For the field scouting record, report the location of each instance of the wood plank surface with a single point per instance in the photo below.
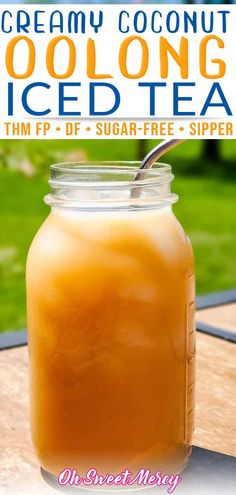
(215, 407)
(215, 424)
(19, 468)
(221, 316)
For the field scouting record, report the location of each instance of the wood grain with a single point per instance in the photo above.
(215, 395)
(215, 406)
(221, 316)
(19, 468)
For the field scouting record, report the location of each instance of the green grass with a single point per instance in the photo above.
(206, 209)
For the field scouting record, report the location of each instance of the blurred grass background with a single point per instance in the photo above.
(205, 181)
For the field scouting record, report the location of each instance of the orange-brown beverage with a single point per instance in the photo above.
(110, 294)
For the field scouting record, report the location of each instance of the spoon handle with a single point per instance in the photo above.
(158, 151)
(152, 157)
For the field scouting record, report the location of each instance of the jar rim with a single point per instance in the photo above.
(113, 166)
(72, 173)
(89, 183)
(107, 164)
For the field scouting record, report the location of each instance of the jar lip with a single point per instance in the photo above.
(116, 174)
(109, 185)
(109, 166)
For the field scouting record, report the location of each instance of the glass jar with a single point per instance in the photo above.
(110, 296)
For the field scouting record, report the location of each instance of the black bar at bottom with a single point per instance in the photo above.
(216, 299)
(216, 332)
(18, 338)
(8, 340)
(207, 473)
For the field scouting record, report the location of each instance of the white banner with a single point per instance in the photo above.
(117, 71)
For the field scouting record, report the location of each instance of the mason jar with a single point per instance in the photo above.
(110, 297)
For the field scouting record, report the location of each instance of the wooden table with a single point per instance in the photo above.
(215, 404)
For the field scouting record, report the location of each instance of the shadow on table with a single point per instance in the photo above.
(207, 473)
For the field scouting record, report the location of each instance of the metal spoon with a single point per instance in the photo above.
(152, 157)
(157, 152)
